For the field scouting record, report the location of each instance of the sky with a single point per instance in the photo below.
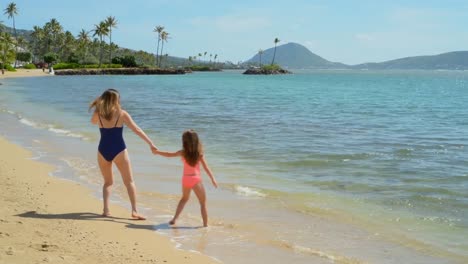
(348, 31)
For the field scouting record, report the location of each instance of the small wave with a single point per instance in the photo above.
(324, 160)
(8, 111)
(51, 128)
(29, 123)
(59, 131)
(65, 132)
(249, 192)
(335, 258)
(79, 164)
(406, 152)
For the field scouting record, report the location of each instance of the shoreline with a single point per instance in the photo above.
(47, 219)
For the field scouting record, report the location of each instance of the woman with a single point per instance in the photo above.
(110, 118)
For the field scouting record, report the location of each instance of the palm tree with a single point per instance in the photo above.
(215, 57)
(101, 30)
(111, 23)
(7, 51)
(67, 49)
(211, 56)
(274, 54)
(199, 57)
(260, 52)
(37, 36)
(52, 31)
(189, 60)
(164, 38)
(83, 40)
(11, 11)
(159, 30)
(204, 56)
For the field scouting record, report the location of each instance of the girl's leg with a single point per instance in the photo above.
(106, 171)
(199, 191)
(182, 202)
(122, 161)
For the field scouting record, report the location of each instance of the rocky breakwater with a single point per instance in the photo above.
(120, 71)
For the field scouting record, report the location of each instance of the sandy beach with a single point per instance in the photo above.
(25, 73)
(47, 220)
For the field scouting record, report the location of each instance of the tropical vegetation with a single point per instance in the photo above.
(52, 44)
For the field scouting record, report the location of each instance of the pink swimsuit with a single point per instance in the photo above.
(191, 175)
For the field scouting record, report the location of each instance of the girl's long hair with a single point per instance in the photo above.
(192, 147)
(107, 104)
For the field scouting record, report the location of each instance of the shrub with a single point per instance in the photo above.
(8, 67)
(125, 61)
(50, 57)
(63, 65)
(30, 66)
(103, 66)
(274, 67)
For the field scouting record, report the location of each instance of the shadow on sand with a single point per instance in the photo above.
(98, 217)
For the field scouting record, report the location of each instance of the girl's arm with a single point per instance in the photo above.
(169, 154)
(95, 118)
(137, 130)
(208, 171)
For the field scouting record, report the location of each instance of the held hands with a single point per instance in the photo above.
(154, 149)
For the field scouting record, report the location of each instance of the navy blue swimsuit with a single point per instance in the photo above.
(112, 142)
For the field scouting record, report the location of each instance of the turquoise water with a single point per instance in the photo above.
(386, 151)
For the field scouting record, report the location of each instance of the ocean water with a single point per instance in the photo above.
(314, 167)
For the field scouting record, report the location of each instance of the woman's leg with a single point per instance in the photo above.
(182, 202)
(106, 171)
(199, 191)
(122, 161)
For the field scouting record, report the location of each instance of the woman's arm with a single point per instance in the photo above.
(95, 118)
(169, 154)
(208, 171)
(137, 130)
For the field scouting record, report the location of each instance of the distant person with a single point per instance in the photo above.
(192, 156)
(110, 118)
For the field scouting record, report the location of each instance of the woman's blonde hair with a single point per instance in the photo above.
(107, 104)
(192, 147)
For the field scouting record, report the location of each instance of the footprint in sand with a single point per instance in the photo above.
(10, 251)
(45, 247)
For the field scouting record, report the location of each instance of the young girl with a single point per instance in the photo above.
(111, 118)
(192, 156)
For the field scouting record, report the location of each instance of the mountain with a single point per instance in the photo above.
(26, 34)
(295, 56)
(457, 60)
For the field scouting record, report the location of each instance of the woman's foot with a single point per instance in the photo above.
(172, 222)
(106, 214)
(137, 216)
